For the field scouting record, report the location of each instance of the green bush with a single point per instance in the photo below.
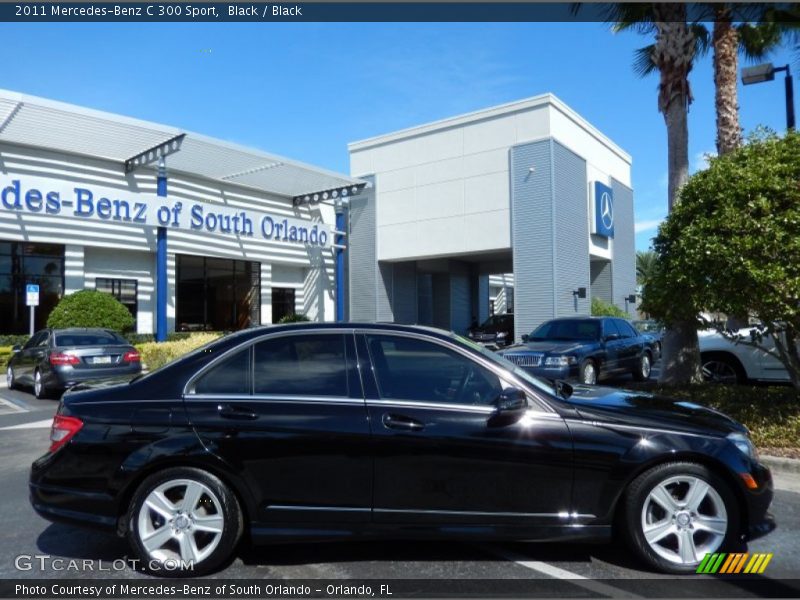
(5, 355)
(772, 414)
(156, 355)
(13, 340)
(296, 318)
(143, 338)
(90, 308)
(601, 308)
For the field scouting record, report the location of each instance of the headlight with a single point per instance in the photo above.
(560, 361)
(743, 443)
(502, 334)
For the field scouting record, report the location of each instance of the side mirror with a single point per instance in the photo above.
(511, 405)
(611, 337)
(525, 337)
(15, 348)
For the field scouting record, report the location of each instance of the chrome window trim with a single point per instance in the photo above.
(477, 408)
(319, 508)
(504, 375)
(277, 398)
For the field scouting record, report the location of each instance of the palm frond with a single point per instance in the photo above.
(643, 63)
(758, 40)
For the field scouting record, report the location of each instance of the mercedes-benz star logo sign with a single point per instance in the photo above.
(606, 210)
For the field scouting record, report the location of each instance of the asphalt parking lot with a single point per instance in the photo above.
(593, 570)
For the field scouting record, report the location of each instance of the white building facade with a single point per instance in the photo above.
(528, 194)
(241, 246)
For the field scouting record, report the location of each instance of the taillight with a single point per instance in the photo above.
(132, 356)
(63, 430)
(59, 358)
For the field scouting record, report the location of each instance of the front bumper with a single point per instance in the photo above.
(759, 520)
(553, 373)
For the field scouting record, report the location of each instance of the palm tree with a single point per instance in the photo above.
(645, 265)
(677, 44)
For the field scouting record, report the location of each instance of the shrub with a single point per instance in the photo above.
(296, 318)
(601, 308)
(143, 338)
(90, 308)
(5, 356)
(156, 355)
(13, 340)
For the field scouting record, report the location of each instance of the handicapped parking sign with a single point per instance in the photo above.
(32, 295)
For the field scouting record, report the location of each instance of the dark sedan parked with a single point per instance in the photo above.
(586, 349)
(348, 431)
(55, 359)
(497, 330)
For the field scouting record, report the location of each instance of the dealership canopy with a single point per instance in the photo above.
(38, 122)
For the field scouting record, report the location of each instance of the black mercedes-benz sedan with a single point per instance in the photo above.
(346, 431)
(53, 360)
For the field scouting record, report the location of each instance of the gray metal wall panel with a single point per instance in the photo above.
(601, 279)
(404, 300)
(441, 300)
(532, 238)
(571, 231)
(460, 300)
(623, 271)
(384, 293)
(424, 298)
(362, 257)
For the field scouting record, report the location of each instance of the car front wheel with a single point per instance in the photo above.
(676, 513)
(642, 370)
(183, 522)
(588, 372)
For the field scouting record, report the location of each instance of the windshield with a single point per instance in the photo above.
(567, 329)
(540, 384)
(647, 326)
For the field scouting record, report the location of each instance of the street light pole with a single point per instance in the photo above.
(789, 83)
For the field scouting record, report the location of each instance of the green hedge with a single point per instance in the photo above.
(144, 338)
(13, 340)
(772, 414)
(600, 308)
(5, 355)
(155, 355)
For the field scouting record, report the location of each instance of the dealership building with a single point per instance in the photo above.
(522, 208)
(189, 232)
(526, 195)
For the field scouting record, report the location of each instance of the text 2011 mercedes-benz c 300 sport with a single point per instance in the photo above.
(319, 431)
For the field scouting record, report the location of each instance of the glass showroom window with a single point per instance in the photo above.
(217, 294)
(282, 303)
(123, 290)
(20, 264)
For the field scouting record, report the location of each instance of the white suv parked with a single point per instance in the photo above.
(725, 361)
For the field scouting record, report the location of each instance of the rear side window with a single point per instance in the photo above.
(86, 339)
(301, 365)
(231, 376)
(610, 328)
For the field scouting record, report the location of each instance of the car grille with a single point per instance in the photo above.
(525, 360)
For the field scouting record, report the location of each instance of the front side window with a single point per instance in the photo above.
(419, 370)
(231, 376)
(301, 365)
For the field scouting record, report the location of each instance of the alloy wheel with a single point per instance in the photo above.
(719, 371)
(37, 384)
(10, 378)
(181, 521)
(683, 518)
(589, 374)
(645, 366)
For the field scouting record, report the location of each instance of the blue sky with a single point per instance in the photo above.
(305, 90)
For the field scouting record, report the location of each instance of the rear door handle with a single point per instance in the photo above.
(232, 411)
(400, 422)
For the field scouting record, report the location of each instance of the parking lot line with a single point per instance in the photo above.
(34, 425)
(10, 405)
(559, 573)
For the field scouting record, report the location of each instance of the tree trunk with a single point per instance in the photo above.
(674, 54)
(726, 67)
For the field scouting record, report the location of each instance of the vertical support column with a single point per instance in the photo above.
(161, 262)
(266, 293)
(339, 253)
(74, 269)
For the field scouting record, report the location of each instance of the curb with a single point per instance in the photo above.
(782, 465)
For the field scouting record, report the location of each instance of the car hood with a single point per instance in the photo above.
(554, 346)
(642, 409)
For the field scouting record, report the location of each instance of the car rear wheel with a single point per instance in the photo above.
(642, 370)
(720, 368)
(40, 390)
(588, 372)
(183, 522)
(676, 513)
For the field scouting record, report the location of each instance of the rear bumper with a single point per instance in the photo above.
(63, 377)
(64, 505)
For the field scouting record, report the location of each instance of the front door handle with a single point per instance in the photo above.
(400, 422)
(232, 411)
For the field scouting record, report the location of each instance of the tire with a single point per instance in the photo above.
(679, 537)
(642, 370)
(40, 390)
(11, 381)
(174, 536)
(721, 368)
(587, 373)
